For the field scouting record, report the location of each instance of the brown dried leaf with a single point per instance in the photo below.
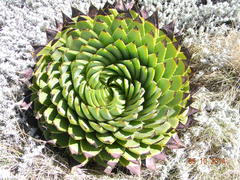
(66, 20)
(120, 5)
(150, 164)
(37, 48)
(192, 111)
(58, 24)
(108, 5)
(144, 13)
(154, 18)
(129, 5)
(93, 11)
(108, 170)
(27, 74)
(134, 169)
(25, 106)
(161, 156)
(50, 33)
(76, 12)
(175, 143)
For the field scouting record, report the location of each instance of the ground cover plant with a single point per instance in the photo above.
(111, 86)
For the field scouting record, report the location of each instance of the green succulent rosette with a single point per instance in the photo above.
(111, 87)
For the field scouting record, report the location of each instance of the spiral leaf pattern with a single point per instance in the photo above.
(111, 87)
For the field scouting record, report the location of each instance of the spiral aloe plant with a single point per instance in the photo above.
(111, 86)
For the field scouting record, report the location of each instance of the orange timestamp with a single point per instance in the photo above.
(209, 160)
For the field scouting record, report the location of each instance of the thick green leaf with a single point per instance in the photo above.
(166, 98)
(88, 150)
(133, 126)
(60, 139)
(106, 138)
(170, 68)
(92, 139)
(105, 38)
(85, 126)
(144, 133)
(99, 27)
(119, 123)
(72, 117)
(49, 114)
(108, 127)
(61, 123)
(86, 111)
(74, 146)
(81, 158)
(62, 108)
(44, 96)
(162, 128)
(134, 158)
(132, 50)
(132, 167)
(153, 140)
(115, 150)
(129, 143)
(123, 135)
(76, 132)
(97, 127)
(143, 149)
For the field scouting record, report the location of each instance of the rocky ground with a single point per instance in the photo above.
(211, 30)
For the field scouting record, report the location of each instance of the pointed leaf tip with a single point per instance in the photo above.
(58, 25)
(115, 155)
(181, 126)
(93, 11)
(52, 142)
(120, 5)
(135, 6)
(66, 20)
(176, 44)
(154, 18)
(25, 106)
(129, 5)
(144, 13)
(170, 27)
(108, 5)
(50, 34)
(37, 49)
(169, 30)
(27, 74)
(108, 170)
(186, 53)
(179, 37)
(150, 164)
(112, 164)
(76, 12)
(161, 156)
(190, 122)
(102, 12)
(134, 169)
(175, 143)
(192, 111)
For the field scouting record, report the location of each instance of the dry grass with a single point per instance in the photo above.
(233, 41)
(217, 62)
(219, 103)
